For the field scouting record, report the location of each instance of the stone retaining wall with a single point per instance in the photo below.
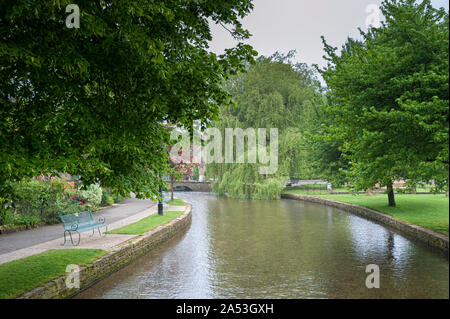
(422, 234)
(115, 259)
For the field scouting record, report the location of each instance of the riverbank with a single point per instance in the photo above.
(22, 275)
(428, 211)
(119, 250)
(425, 235)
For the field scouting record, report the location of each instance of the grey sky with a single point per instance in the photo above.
(282, 25)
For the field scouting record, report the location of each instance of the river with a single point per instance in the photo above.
(278, 249)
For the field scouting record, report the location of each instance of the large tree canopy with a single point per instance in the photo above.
(323, 150)
(390, 97)
(273, 93)
(92, 100)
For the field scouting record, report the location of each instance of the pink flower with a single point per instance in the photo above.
(73, 198)
(81, 203)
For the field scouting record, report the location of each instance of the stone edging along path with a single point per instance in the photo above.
(422, 234)
(116, 258)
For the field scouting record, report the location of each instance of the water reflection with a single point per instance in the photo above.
(278, 249)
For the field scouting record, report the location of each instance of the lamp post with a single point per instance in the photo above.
(160, 204)
(160, 211)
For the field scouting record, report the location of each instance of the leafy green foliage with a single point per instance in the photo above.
(244, 181)
(273, 93)
(389, 95)
(117, 198)
(92, 101)
(196, 175)
(6, 216)
(35, 201)
(91, 197)
(27, 221)
(323, 151)
(107, 199)
(44, 200)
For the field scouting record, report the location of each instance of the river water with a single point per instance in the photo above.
(278, 249)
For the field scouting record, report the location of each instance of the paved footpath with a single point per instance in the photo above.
(29, 242)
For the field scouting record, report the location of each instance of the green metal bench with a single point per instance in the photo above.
(81, 222)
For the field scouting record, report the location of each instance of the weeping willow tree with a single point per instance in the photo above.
(273, 93)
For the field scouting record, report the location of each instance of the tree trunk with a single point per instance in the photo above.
(391, 198)
(171, 187)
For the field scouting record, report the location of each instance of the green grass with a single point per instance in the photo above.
(424, 190)
(22, 275)
(146, 224)
(310, 186)
(176, 202)
(340, 189)
(429, 211)
(304, 191)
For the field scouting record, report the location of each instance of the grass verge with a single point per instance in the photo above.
(22, 275)
(176, 202)
(146, 224)
(429, 211)
(302, 191)
(323, 191)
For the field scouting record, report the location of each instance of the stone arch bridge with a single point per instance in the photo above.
(190, 186)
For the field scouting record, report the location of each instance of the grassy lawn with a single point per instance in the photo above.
(146, 224)
(304, 191)
(21, 275)
(301, 191)
(429, 211)
(340, 189)
(176, 202)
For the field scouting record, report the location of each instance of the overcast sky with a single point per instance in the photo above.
(283, 25)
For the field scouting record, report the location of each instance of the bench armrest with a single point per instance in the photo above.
(101, 219)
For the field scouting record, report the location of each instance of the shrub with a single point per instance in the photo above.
(110, 201)
(60, 206)
(59, 202)
(36, 201)
(6, 216)
(196, 174)
(107, 199)
(27, 221)
(44, 200)
(91, 197)
(31, 197)
(117, 198)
